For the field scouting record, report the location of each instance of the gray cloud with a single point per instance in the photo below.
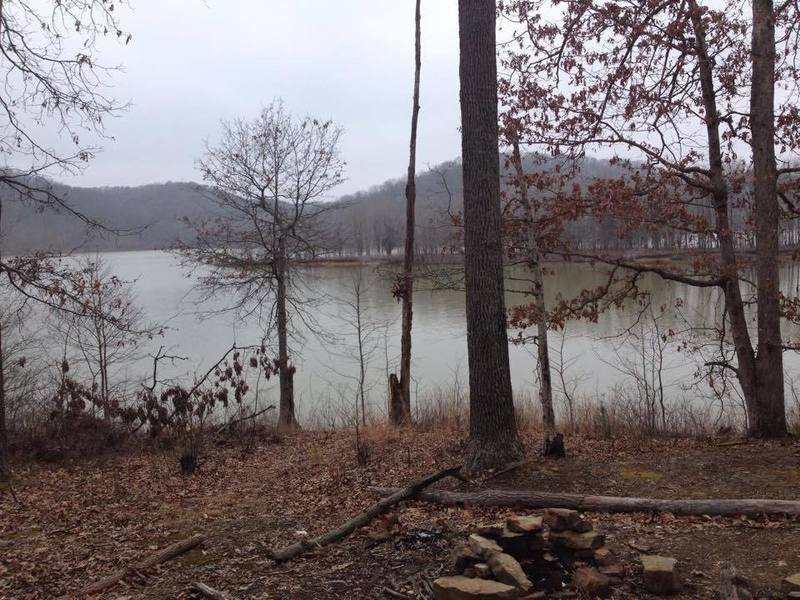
(191, 64)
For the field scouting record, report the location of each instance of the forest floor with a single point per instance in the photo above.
(81, 521)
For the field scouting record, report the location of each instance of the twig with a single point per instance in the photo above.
(395, 594)
(513, 466)
(12, 492)
(210, 592)
(245, 418)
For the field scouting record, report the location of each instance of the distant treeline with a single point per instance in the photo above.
(367, 223)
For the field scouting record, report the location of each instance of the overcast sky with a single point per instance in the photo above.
(192, 63)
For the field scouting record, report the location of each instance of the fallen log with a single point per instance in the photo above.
(363, 518)
(534, 499)
(164, 555)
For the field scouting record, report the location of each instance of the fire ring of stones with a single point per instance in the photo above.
(537, 557)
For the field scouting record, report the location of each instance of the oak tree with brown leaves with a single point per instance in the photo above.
(683, 94)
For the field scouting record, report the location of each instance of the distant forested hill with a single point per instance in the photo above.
(157, 208)
(370, 222)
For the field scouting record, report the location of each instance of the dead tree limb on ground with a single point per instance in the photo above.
(400, 494)
(533, 499)
(164, 555)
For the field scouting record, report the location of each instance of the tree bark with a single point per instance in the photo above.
(769, 418)
(363, 518)
(407, 283)
(734, 306)
(760, 372)
(535, 265)
(5, 457)
(530, 499)
(493, 438)
(396, 409)
(286, 416)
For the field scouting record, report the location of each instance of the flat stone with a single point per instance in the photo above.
(507, 569)
(492, 531)
(479, 570)
(660, 574)
(794, 596)
(522, 524)
(590, 540)
(641, 546)
(465, 557)
(604, 557)
(483, 570)
(591, 582)
(465, 588)
(582, 526)
(520, 544)
(792, 583)
(483, 546)
(561, 519)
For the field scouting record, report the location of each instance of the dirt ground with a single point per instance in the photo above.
(81, 521)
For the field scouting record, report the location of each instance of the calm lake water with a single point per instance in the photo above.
(597, 362)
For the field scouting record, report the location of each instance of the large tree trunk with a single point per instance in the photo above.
(769, 417)
(407, 282)
(535, 265)
(493, 435)
(286, 417)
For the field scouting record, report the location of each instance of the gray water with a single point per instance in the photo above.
(597, 360)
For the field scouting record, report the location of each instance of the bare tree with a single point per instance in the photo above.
(267, 176)
(110, 336)
(46, 82)
(361, 339)
(493, 437)
(400, 400)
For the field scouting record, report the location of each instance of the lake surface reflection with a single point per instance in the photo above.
(596, 361)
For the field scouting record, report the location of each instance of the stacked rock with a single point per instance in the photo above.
(532, 557)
